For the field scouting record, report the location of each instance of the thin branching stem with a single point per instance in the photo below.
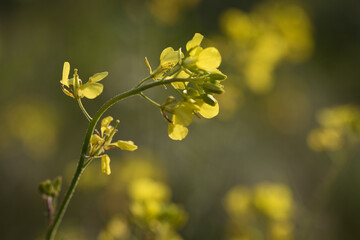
(81, 166)
(83, 109)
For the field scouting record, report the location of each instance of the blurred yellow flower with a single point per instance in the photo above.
(339, 125)
(237, 201)
(147, 189)
(169, 12)
(273, 200)
(258, 41)
(117, 228)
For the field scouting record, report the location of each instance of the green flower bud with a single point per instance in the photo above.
(213, 88)
(209, 99)
(217, 76)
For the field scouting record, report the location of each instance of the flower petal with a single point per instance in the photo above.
(91, 90)
(177, 132)
(105, 164)
(65, 74)
(98, 77)
(209, 59)
(183, 113)
(105, 122)
(194, 42)
(169, 58)
(180, 85)
(125, 145)
(206, 110)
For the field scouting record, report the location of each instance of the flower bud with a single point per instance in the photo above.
(213, 88)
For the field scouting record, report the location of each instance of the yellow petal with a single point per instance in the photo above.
(98, 77)
(125, 145)
(183, 113)
(181, 85)
(91, 90)
(196, 51)
(105, 164)
(169, 57)
(65, 74)
(105, 122)
(206, 110)
(95, 139)
(195, 42)
(177, 132)
(209, 59)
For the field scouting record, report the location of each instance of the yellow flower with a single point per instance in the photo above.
(103, 141)
(274, 200)
(90, 90)
(183, 115)
(207, 59)
(105, 164)
(168, 59)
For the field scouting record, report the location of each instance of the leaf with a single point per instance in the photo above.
(209, 59)
(125, 145)
(194, 42)
(98, 77)
(65, 74)
(177, 132)
(91, 90)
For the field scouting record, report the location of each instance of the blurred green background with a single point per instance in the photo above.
(249, 173)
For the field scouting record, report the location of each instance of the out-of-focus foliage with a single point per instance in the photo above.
(151, 213)
(169, 12)
(258, 41)
(30, 125)
(339, 127)
(305, 53)
(264, 211)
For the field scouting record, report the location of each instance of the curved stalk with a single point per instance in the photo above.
(81, 167)
(84, 110)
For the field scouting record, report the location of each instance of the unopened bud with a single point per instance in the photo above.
(209, 99)
(213, 88)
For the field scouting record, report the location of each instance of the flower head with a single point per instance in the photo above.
(90, 90)
(100, 142)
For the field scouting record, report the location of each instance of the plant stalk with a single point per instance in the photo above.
(80, 167)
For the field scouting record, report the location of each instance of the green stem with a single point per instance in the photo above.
(83, 109)
(150, 100)
(144, 80)
(80, 167)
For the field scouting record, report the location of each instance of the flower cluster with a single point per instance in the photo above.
(99, 142)
(200, 80)
(338, 126)
(152, 210)
(264, 210)
(90, 90)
